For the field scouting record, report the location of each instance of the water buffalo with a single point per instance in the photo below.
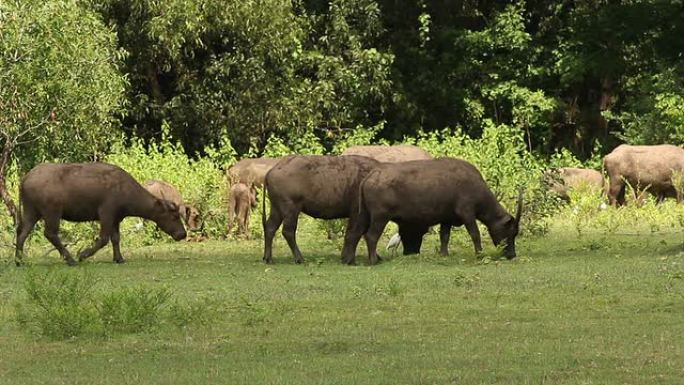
(251, 171)
(80, 192)
(323, 187)
(163, 190)
(564, 179)
(419, 194)
(389, 154)
(240, 201)
(644, 168)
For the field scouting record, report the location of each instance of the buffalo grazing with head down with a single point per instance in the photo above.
(80, 192)
(645, 168)
(565, 179)
(324, 187)
(163, 190)
(419, 194)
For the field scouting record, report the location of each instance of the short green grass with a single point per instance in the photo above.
(587, 309)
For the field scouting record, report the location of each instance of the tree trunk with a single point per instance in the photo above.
(4, 194)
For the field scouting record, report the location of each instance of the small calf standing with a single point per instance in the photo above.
(80, 192)
(241, 199)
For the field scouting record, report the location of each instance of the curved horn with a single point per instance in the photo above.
(518, 212)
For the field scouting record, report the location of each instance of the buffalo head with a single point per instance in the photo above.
(507, 229)
(168, 219)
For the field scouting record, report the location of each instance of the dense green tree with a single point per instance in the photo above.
(246, 69)
(568, 74)
(60, 86)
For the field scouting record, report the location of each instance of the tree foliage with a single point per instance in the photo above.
(60, 85)
(572, 74)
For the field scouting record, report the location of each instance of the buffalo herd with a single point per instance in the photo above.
(367, 185)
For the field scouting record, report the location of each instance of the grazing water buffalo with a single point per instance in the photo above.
(163, 190)
(565, 179)
(419, 194)
(240, 201)
(389, 154)
(644, 168)
(80, 192)
(323, 187)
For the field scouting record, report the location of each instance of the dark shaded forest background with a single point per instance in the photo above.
(580, 75)
(569, 73)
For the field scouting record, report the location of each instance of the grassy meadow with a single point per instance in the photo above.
(598, 306)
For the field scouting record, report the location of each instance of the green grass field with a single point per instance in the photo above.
(589, 309)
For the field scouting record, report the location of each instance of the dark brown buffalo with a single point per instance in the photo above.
(389, 154)
(320, 186)
(80, 192)
(419, 194)
(240, 201)
(648, 168)
(163, 190)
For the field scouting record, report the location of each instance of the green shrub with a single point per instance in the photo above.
(70, 303)
(62, 303)
(133, 310)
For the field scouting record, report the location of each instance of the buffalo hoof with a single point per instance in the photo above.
(268, 261)
(299, 261)
(71, 262)
(349, 261)
(119, 260)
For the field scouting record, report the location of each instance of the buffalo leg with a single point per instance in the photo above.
(290, 234)
(474, 232)
(116, 237)
(444, 234)
(616, 192)
(26, 224)
(52, 234)
(412, 237)
(270, 228)
(352, 235)
(106, 229)
(231, 212)
(243, 218)
(373, 234)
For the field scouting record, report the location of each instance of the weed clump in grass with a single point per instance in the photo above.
(66, 304)
(62, 303)
(133, 310)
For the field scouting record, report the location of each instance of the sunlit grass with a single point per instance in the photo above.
(598, 307)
